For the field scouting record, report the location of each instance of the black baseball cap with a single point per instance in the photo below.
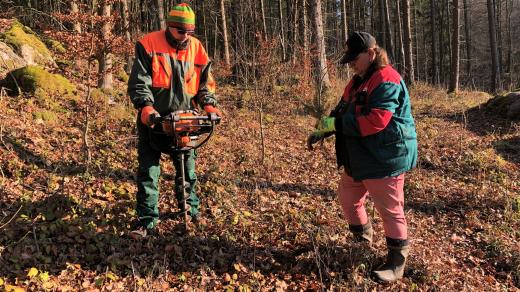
(357, 43)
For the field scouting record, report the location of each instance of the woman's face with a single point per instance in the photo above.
(361, 63)
(179, 34)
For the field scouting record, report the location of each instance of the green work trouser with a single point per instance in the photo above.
(148, 174)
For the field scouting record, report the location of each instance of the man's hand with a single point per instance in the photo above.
(211, 109)
(147, 115)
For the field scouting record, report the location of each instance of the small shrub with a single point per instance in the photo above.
(122, 76)
(47, 116)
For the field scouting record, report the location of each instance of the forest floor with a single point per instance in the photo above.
(269, 223)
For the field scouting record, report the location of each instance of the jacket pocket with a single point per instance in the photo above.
(161, 72)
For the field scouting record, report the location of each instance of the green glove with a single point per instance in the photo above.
(326, 126)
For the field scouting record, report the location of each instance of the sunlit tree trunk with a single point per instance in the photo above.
(105, 58)
(495, 71)
(224, 33)
(454, 80)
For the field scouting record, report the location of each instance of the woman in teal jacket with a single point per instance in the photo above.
(376, 144)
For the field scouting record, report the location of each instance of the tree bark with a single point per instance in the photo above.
(495, 71)
(264, 27)
(305, 29)
(227, 60)
(282, 32)
(75, 10)
(401, 59)
(126, 22)
(509, 9)
(322, 71)
(454, 80)
(389, 39)
(160, 13)
(344, 21)
(433, 19)
(410, 74)
(467, 32)
(105, 58)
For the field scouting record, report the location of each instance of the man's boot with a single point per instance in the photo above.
(362, 233)
(393, 268)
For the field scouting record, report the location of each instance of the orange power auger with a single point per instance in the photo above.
(188, 130)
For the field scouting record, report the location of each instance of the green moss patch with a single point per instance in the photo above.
(46, 116)
(42, 84)
(19, 35)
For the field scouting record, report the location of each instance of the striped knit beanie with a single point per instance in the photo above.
(181, 16)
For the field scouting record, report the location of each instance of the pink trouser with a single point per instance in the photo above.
(388, 196)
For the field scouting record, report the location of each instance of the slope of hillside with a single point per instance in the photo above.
(275, 225)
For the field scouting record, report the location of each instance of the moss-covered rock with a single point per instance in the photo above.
(505, 105)
(27, 44)
(10, 60)
(45, 86)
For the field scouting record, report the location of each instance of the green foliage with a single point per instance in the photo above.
(99, 98)
(47, 116)
(118, 113)
(42, 84)
(55, 45)
(19, 35)
(122, 76)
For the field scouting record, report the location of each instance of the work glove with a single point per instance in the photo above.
(148, 114)
(325, 128)
(211, 109)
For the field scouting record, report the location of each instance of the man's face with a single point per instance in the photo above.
(179, 34)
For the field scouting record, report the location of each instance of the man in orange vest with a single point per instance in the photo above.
(171, 72)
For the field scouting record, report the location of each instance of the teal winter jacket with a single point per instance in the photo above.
(375, 130)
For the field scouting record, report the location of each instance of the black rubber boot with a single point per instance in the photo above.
(362, 233)
(393, 269)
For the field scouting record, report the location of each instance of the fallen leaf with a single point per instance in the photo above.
(32, 272)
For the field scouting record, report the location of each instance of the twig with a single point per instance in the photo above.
(133, 274)
(1, 227)
(35, 239)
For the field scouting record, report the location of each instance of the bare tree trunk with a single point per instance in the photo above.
(227, 60)
(160, 13)
(105, 58)
(467, 32)
(294, 31)
(282, 32)
(401, 59)
(495, 71)
(509, 9)
(264, 27)
(305, 29)
(498, 13)
(454, 80)
(409, 76)
(344, 25)
(322, 73)
(128, 36)
(75, 10)
(415, 40)
(440, 31)
(389, 39)
(433, 17)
